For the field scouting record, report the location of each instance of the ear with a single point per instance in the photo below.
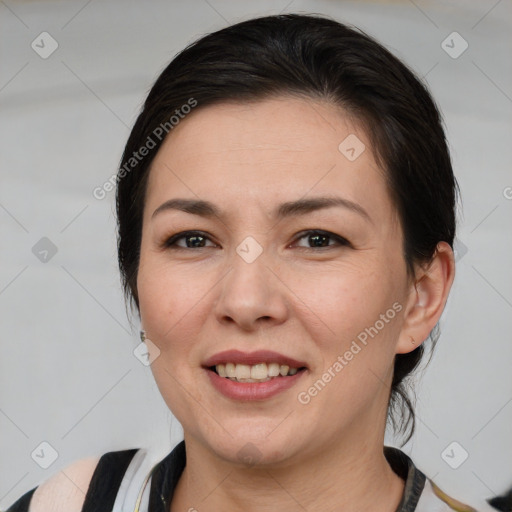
(427, 299)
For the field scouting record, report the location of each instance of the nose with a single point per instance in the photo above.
(251, 295)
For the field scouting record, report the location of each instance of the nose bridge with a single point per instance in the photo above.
(251, 290)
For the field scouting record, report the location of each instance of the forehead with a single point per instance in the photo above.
(273, 150)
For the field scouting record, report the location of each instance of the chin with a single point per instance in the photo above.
(250, 449)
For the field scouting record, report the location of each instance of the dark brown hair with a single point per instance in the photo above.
(316, 57)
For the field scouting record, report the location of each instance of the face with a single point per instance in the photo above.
(317, 287)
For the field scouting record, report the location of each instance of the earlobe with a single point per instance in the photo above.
(429, 294)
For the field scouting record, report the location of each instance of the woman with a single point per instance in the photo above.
(286, 213)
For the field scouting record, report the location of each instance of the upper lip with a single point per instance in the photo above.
(252, 358)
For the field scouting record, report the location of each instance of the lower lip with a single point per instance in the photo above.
(252, 390)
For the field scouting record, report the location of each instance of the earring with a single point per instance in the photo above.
(143, 336)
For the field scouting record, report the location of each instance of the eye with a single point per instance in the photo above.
(320, 239)
(193, 239)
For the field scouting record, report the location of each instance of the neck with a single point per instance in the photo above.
(348, 476)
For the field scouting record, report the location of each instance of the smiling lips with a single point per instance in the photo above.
(252, 376)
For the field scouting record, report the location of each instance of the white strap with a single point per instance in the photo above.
(142, 502)
(132, 483)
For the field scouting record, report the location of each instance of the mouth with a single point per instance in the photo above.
(253, 376)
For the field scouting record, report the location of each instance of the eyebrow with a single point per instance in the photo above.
(288, 209)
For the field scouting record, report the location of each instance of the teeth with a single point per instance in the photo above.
(242, 371)
(273, 370)
(260, 372)
(230, 370)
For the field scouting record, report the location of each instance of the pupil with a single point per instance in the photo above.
(316, 238)
(196, 238)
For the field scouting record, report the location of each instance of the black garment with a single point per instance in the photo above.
(112, 466)
(23, 503)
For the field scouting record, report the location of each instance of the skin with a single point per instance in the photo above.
(306, 302)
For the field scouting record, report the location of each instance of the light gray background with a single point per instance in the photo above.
(67, 372)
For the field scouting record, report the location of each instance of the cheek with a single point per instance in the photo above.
(169, 312)
(361, 312)
(346, 300)
(175, 305)
(163, 297)
(361, 320)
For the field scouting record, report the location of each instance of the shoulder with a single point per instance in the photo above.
(420, 493)
(66, 490)
(80, 485)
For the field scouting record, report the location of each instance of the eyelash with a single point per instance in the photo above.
(171, 242)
